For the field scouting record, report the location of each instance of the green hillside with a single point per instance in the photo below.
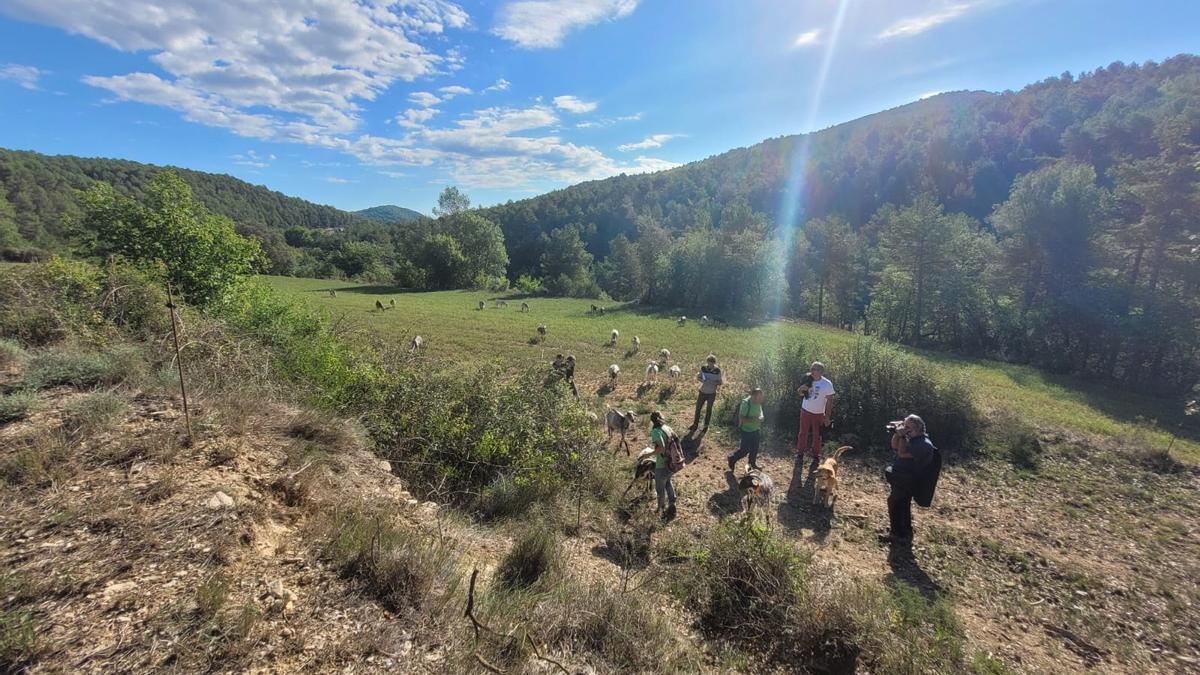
(390, 213)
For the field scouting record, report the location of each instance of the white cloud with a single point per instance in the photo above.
(253, 160)
(393, 174)
(338, 181)
(416, 117)
(501, 85)
(424, 99)
(573, 104)
(260, 67)
(653, 141)
(930, 94)
(808, 38)
(915, 25)
(537, 24)
(23, 76)
(452, 91)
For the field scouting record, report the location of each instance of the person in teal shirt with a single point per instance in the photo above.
(749, 422)
(660, 437)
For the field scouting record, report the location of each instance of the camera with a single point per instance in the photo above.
(895, 427)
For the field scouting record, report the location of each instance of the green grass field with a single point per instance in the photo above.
(455, 329)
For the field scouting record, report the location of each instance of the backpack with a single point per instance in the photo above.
(926, 480)
(674, 451)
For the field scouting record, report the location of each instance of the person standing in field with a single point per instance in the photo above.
(749, 422)
(709, 378)
(816, 411)
(660, 437)
(568, 371)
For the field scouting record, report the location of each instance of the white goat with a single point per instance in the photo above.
(682, 321)
(525, 307)
(500, 303)
(704, 320)
(332, 293)
(392, 303)
(673, 372)
(417, 344)
(664, 354)
(619, 422)
(542, 329)
(613, 371)
(637, 344)
(652, 372)
(612, 337)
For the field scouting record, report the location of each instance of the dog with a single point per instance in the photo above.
(619, 422)
(827, 480)
(756, 488)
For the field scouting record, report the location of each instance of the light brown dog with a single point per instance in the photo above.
(827, 480)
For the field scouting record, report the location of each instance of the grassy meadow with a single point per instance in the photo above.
(455, 329)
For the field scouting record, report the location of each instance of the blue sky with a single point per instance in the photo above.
(388, 101)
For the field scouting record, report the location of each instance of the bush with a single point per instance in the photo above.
(876, 383)
(11, 353)
(16, 406)
(1020, 445)
(531, 558)
(528, 285)
(83, 369)
(94, 411)
(18, 640)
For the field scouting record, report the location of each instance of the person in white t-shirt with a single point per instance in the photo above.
(816, 412)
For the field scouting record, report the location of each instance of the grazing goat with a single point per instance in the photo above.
(525, 307)
(542, 329)
(482, 304)
(594, 309)
(619, 422)
(704, 320)
(664, 354)
(612, 337)
(652, 372)
(379, 305)
(637, 344)
(392, 303)
(613, 371)
(417, 344)
(673, 372)
(643, 470)
(756, 487)
(682, 321)
(500, 303)
(332, 293)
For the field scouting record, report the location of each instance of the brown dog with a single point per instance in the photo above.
(827, 480)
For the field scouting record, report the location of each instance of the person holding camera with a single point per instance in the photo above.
(912, 475)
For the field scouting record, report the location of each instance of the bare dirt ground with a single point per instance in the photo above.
(1090, 563)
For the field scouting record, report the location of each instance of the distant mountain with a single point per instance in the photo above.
(389, 213)
(44, 192)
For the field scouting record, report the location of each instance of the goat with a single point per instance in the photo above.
(601, 311)
(673, 372)
(379, 305)
(525, 307)
(482, 304)
(652, 372)
(664, 354)
(643, 469)
(594, 309)
(682, 321)
(637, 344)
(392, 303)
(332, 293)
(542, 329)
(500, 303)
(704, 320)
(756, 487)
(613, 371)
(416, 345)
(619, 422)
(612, 337)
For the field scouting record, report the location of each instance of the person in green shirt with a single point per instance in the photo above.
(660, 437)
(749, 423)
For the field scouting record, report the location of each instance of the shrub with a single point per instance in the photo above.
(11, 353)
(876, 383)
(404, 569)
(16, 406)
(531, 558)
(18, 639)
(94, 411)
(83, 369)
(528, 285)
(1020, 444)
(38, 460)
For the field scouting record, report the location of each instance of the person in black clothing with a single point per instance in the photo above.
(709, 378)
(914, 455)
(568, 371)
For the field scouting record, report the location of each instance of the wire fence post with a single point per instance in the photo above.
(187, 416)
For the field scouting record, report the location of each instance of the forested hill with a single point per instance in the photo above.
(43, 192)
(389, 213)
(964, 148)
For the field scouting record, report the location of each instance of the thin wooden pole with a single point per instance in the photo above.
(187, 417)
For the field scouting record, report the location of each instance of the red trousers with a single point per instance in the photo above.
(810, 423)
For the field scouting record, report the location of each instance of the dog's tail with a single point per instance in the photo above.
(837, 454)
